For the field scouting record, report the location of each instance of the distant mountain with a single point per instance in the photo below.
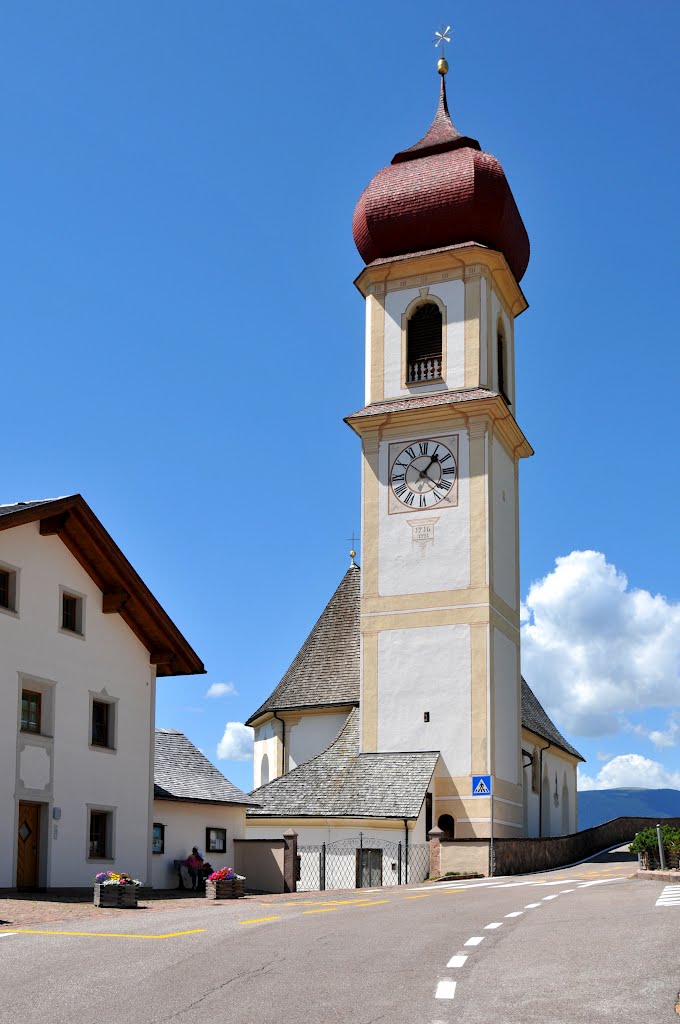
(598, 805)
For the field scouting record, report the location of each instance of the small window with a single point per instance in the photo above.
(502, 359)
(102, 724)
(72, 613)
(30, 711)
(8, 589)
(216, 840)
(424, 344)
(534, 772)
(158, 839)
(101, 834)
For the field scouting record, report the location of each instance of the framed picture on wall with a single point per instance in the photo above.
(158, 839)
(215, 840)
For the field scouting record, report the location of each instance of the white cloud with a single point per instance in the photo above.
(630, 771)
(221, 690)
(236, 743)
(668, 737)
(593, 648)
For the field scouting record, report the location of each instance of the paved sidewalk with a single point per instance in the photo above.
(21, 910)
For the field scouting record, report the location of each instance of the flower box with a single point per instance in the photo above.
(117, 896)
(224, 889)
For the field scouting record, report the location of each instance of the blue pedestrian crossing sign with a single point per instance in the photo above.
(481, 785)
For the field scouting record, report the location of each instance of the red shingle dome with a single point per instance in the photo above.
(442, 191)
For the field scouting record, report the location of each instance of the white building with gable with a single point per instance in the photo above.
(82, 640)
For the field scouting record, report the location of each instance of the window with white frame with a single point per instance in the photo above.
(8, 588)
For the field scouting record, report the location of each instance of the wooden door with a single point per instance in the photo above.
(28, 844)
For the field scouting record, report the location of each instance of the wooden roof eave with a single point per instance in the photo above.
(74, 522)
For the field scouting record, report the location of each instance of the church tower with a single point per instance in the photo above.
(445, 249)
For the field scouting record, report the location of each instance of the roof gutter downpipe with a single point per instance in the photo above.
(283, 742)
(540, 792)
(406, 848)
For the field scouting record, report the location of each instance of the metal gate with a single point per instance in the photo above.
(364, 862)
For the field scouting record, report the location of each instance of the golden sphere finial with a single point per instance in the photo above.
(442, 65)
(352, 555)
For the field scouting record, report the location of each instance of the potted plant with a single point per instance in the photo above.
(224, 884)
(115, 889)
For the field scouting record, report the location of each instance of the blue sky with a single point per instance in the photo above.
(177, 188)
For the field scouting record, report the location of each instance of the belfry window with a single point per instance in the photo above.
(502, 360)
(424, 344)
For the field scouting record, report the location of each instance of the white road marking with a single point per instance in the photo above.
(457, 961)
(530, 906)
(553, 897)
(515, 913)
(3, 935)
(600, 881)
(494, 924)
(446, 989)
(670, 897)
(474, 941)
(567, 890)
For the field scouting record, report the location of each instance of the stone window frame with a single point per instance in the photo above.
(111, 746)
(110, 835)
(14, 572)
(81, 599)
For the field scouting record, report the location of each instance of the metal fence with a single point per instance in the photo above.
(364, 862)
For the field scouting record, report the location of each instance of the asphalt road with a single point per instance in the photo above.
(583, 944)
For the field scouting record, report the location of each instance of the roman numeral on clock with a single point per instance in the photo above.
(409, 499)
(424, 447)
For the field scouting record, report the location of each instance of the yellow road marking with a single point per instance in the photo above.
(102, 935)
(421, 896)
(321, 910)
(256, 920)
(450, 890)
(373, 903)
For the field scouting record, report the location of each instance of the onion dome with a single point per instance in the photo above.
(443, 191)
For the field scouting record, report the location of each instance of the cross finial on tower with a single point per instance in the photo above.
(442, 37)
(353, 542)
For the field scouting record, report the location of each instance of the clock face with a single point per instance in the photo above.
(423, 474)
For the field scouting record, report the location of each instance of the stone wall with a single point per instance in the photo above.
(520, 856)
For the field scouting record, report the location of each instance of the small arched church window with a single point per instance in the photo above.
(534, 772)
(446, 823)
(424, 344)
(502, 360)
(264, 770)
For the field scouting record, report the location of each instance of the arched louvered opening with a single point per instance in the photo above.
(424, 344)
(264, 770)
(502, 361)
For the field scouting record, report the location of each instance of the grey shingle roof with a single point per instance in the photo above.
(18, 506)
(535, 718)
(341, 782)
(325, 671)
(182, 772)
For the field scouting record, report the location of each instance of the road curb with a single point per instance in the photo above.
(658, 876)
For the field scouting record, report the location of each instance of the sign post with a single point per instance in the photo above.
(482, 785)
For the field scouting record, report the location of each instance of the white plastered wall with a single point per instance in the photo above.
(312, 734)
(452, 295)
(504, 524)
(426, 669)
(506, 708)
(560, 819)
(64, 771)
(266, 743)
(185, 825)
(410, 566)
